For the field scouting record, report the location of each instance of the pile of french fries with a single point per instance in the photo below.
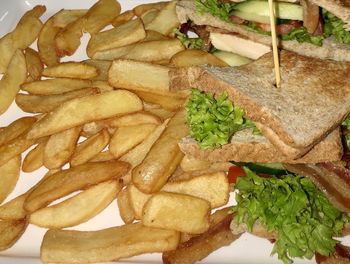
(108, 128)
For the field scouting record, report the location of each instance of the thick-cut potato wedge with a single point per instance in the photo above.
(68, 181)
(71, 69)
(137, 200)
(68, 246)
(102, 66)
(167, 100)
(181, 212)
(77, 209)
(125, 34)
(15, 148)
(14, 76)
(141, 9)
(190, 164)
(11, 231)
(45, 103)
(135, 156)
(134, 119)
(35, 158)
(104, 86)
(21, 37)
(198, 247)
(158, 110)
(103, 156)
(9, 174)
(55, 86)
(151, 175)
(34, 65)
(152, 35)
(149, 16)
(86, 109)
(92, 128)
(89, 148)
(126, 138)
(192, 57)
(166, 20)
(125, 210)
(60, 147)
(15, 129)
(137, 75)
(148, 51)
(66, 16)
(13, 210)
(123, 18)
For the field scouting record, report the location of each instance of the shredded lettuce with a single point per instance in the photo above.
(346, 124)
(218, 9)
(292, 206)
(213, 121)
(301, 35)
(335, 26)
(189, 43)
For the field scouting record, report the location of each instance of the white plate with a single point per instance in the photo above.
(247, 249)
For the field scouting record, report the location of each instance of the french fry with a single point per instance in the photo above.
(15, 129)
(9, 174)
(123, 18)
(21, 37)
(166, 100)
(68, 246)
(34, 64)
(125, 210)
(102, 66)
(92, 128)
(149, 16)
(190, 164)
(141, 9)
(103, 156)
(125, 34)
(10, 82)
(60, 147)
(158, 110)
(35, 158)
(71, 69)
(181, 212)
(89, 148)
(137, 200)
(134, 119)
(13, 210)
(104, 86)
(126, 138)
(45, 103)
(11, 231)
(86, 109)
(151, 175)
(77, 209)
(66, 16)
(192, 57)
(152, 35)
(137, 75)
(68, 181)
(148, 51)
(55, 86)
(166, 20)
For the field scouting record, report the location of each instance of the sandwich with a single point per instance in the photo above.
(319, 29)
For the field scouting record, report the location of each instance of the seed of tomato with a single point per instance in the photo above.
(234, 172)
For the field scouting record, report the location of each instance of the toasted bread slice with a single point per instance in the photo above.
(313, 100)
(330, 49)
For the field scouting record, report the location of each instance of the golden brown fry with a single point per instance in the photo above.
(15, 129)
(21, 37)
(77, 209)
(123, 18)
(104, 86)
(181, 212)
(167, 100)
(86, 109)
(55, 86)
(152, 35)
(126, 138)
(9, 174)
(137, 200)
(134, 119)
(89, 148)
(45, 103)
(66, 16)
(190, 164)
(35, 158)
(192, 57)
(71, 180)
(13, 210)
(141, 9)
(151, 175)
(158, 111)
(34, 65)
(102, 66)
(92, 128)
(102, 156)
(60, 147)
(125, 210)
(10, 82)
(149, 16)
(109, 244)
(125, 34)
(71, 69)
(11, 231)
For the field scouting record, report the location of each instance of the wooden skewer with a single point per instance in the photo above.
(274, 45)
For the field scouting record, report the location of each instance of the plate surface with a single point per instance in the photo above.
(248, 249)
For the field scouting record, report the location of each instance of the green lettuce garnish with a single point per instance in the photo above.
(335, 26)
(217, 8)
(292, 206)
(301, 35)
(213, 121)
(346, 124)
(189, 43)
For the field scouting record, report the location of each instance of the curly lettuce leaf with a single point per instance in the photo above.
(301, 35)
(217, 8)
(189, 43)
(335, 26)
(302, 216)
(213, 121)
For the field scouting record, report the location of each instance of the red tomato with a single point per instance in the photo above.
(233, 173)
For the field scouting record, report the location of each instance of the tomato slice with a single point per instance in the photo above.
(234, 172)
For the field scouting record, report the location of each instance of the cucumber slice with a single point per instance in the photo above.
(258, 11)
(276, 169)
(231, 59)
